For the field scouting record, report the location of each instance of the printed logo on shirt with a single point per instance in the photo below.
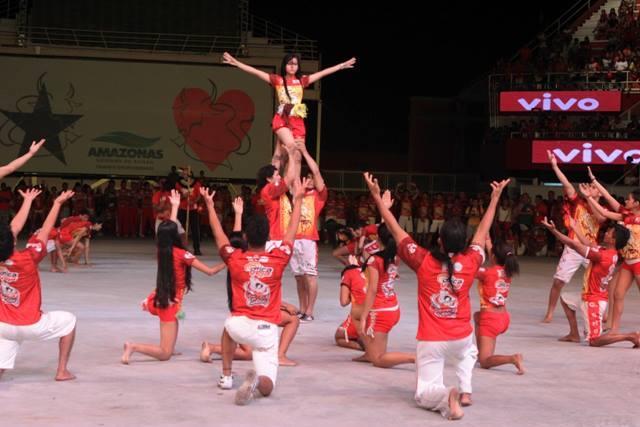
(443, 304)
(256, 293)
(9, 294)
(502, 286)
(36, 246)
(443, 279)
(229, 249)
(497, 299)
(388, 286)
(188, 255)
(411, 247)
(256, 269)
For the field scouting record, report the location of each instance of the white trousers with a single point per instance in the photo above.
(431, 392)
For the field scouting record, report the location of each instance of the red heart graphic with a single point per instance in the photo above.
(213, 128)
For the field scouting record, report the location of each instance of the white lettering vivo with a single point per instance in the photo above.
(585, 104)
(588, 154)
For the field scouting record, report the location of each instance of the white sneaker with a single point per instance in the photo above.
(225, 382)
(245, 392)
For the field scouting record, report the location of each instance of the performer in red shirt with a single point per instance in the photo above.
(493, 318)
(353, 290)
(445, 276)
(593, 300)
(173, 281)
(304, 262)
(288, 122)
(256, 282)
(21, 316)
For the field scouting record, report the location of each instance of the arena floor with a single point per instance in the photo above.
(565, 384)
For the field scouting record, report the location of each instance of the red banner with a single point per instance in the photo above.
(586, 152)
(578, 101)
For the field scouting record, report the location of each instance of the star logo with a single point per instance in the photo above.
(42, 123)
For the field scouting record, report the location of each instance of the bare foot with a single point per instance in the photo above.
(65, 376)
(455, 410)
(518, 361)
(636, 340)
(362, 358)
(465, 399)
(55, 269)
(205, 354)
(285, 361)
(128, 349)
(569, 338)
(547, 319)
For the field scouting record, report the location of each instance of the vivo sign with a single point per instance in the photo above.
(586, 152)
(581, 101)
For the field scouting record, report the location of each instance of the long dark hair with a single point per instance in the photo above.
(168, 238)
(388, 254)
(236, 239)
(453, 239)
(505, 257)
(283, 70)
(7, 241)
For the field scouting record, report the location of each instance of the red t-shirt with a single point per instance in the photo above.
(256, 281)
(295, 88)
(444, 309)
(577, 208)
(20, 285)
(277, 207)
(312, 205)
(493, 286)
(595, 286)
(632, 250)
(385, 292)
(354, 280)
(258, 204)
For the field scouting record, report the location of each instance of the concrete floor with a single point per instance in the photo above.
(565, 384)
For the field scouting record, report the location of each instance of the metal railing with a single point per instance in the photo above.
(147, 42)
(277, 34)
(9, 8)
(600, 134)
(567, 17)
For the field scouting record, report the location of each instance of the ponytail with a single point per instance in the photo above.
(505, 257)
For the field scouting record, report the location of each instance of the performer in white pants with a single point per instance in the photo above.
(445, 276)
(588, 221)
(256, 281)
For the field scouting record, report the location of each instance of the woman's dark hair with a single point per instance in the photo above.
(621, 234)
(636, 195)
(236, 239)
(388, 254)
(264, 173)
(283, 70)
(506, 257)
(167, 239)
(347, 232)
(453, 238)
(7, 241)
(347, 268)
